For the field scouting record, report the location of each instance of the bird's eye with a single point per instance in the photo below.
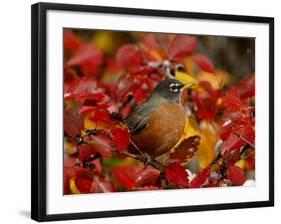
(174, 88)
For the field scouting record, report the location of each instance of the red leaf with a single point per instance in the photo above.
(125, 111)
(69, 75)
(238, 127)
(236, 175)
(248, 134)
(231, 157)
(206, 101)
(103, 145)
(84, 88)
(126, 86)
(69, 161)
(80, 86)
(101, 115)
(232, 102)
(216, 183)
(97, 114)
(86, 109)
(86, 151)
(147, 176)
(226, 129)
(251, 161)
(185, 150)
(233, 142)
(142, 71)
(238, 138)
(182, 46)
(201, 179)
(125, 176)
(139, 87)
(141, 95)
(77, 173)
(88, 58)
(129, 55)
(66, 188)
(245, 88)
(151, 42)
(100, 185)
(153, 80)
(204, 63)
(73, 121)
(83, 185)
(70, 40)
(176, 175)
(120, 137)
(74, 171)
(148, 188)
(98, 165)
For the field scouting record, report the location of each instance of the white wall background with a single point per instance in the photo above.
(15, 109)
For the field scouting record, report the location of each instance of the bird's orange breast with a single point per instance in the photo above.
(165, 127)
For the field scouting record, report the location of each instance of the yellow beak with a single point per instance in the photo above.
(189, 86)
(188, 81)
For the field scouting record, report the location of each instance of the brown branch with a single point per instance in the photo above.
(145, 159)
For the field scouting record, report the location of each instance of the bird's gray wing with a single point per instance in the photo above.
(138, 119)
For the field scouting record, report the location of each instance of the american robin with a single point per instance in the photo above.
(157, 124)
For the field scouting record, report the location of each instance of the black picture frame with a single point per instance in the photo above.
(38, 108)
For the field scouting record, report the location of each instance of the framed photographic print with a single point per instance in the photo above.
(139, 111)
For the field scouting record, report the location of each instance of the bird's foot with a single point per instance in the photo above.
(147, 159)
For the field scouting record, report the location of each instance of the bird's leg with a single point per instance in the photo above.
(142, 154)
(145, 156)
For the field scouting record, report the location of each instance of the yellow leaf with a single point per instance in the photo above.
(109, 41)
(155, 55)
(69, 148)
(104, 41)
(69, 103)
(89, 124)
(241, 163)
(190, 66)
(217, 80)
(206, 149)
(185, 78)
(190, 129)
(72, 186)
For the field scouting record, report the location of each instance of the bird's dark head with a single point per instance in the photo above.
(170, 89)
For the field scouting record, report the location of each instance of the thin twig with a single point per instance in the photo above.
(245, 140)
(215, 160)
(142, 157)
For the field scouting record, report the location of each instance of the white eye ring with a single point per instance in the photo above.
(173, 87)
